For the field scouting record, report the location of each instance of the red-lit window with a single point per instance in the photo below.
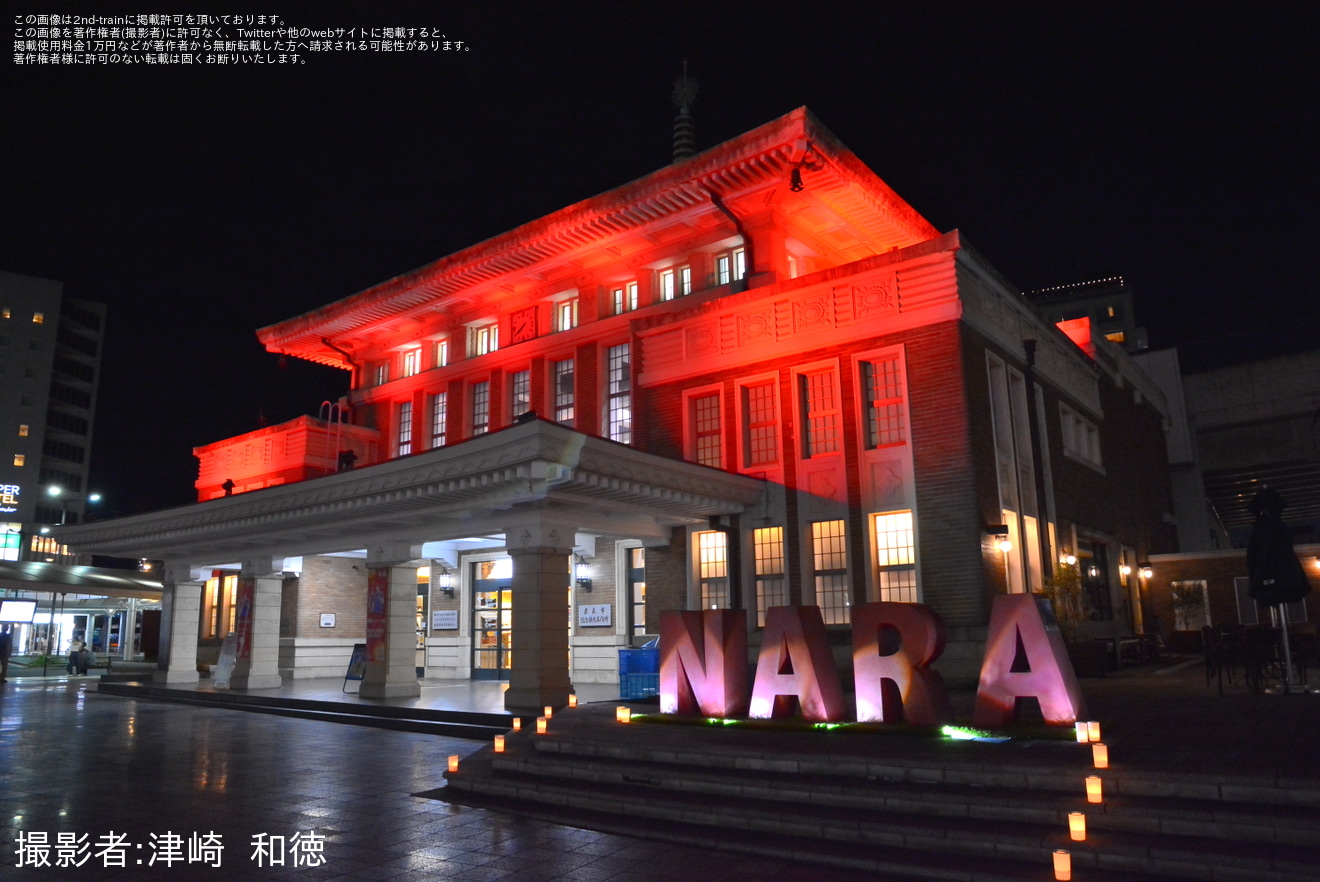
(730, 266)
(480, 408)
(520, 393)
(566, 314)
(405, 429)
(564, 391)
(441, 353)
(410, 362)
(885, 421)
(760, 424)
(829, 555)
(624, 298)
(618, 383)
(439, 418)
(676, 282)
(821, 418)
(382, 373)
(483, 339)
(704, 427)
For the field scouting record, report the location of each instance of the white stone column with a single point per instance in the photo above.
(260, 586)
(391, 670)
(540, 548)
(180, 622)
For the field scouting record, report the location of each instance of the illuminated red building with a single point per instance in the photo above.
(755, 377)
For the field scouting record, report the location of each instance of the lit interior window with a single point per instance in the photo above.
(829, 549)
(713, 570)
(38, 318)
(895, 557)
(771, 586)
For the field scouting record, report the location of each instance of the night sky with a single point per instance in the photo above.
(1174, 144)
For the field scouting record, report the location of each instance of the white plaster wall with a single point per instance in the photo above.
(303, 658)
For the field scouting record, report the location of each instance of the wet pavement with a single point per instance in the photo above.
(212, 793)
(137, 789)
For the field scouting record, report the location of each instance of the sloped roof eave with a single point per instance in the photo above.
(755, 156)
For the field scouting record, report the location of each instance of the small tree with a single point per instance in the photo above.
(1071, 606)
(1188, 599)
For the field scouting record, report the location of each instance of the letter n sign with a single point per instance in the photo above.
(703, 662)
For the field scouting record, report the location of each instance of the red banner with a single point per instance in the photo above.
(378, 590)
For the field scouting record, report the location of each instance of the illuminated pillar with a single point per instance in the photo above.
(538, 676)
(257, 627)
(180, 621)
(768, 246)
(391, 669)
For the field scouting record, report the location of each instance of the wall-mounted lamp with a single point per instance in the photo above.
(1069, 559)
(1000, 534)
(580, 574)
(1143, 567)
(1125, 570)
(446, 583)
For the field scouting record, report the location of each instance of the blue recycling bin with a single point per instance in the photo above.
(639, 673)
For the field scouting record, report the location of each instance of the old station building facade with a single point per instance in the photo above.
(756, 377)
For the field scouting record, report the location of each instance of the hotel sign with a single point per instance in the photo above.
(9, 498)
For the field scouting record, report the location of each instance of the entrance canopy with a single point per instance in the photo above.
(50, 578)
(479, 487)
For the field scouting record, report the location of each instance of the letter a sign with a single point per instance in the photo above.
(1017, 620)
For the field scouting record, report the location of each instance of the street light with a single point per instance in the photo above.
(57, 491)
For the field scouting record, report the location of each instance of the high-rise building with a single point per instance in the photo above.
(50, 362)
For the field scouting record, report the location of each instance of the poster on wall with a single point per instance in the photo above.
(243, 620)
(595, 615)
(444, 620)
(378, 585)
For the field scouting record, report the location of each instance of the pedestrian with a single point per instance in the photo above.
(6, 650)
(77, 654)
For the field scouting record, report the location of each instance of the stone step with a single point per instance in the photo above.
(452, 724)
(1175, 816)
(1003, 847)
(905, 809)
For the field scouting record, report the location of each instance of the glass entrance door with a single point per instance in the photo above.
(492, 637)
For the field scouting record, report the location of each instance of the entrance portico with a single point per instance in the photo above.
(536, 484)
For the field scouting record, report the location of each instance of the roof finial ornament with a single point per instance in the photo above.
(685, 133)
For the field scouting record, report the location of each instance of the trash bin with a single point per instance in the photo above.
(639, 673)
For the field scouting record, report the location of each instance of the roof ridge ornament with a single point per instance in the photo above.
(684, 96)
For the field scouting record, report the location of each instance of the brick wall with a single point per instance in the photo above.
(328, 585)
(666, 578)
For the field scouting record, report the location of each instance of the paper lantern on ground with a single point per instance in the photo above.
(517, 724)
(623, 714)
(1093, 731)
(549, 711)
(1083, 733)
(1062, 865)
(1094, 791)
(453, 763)
(572, 701)
(540, 725)
(499, 744)
(1077, 826)
(1100, 755)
